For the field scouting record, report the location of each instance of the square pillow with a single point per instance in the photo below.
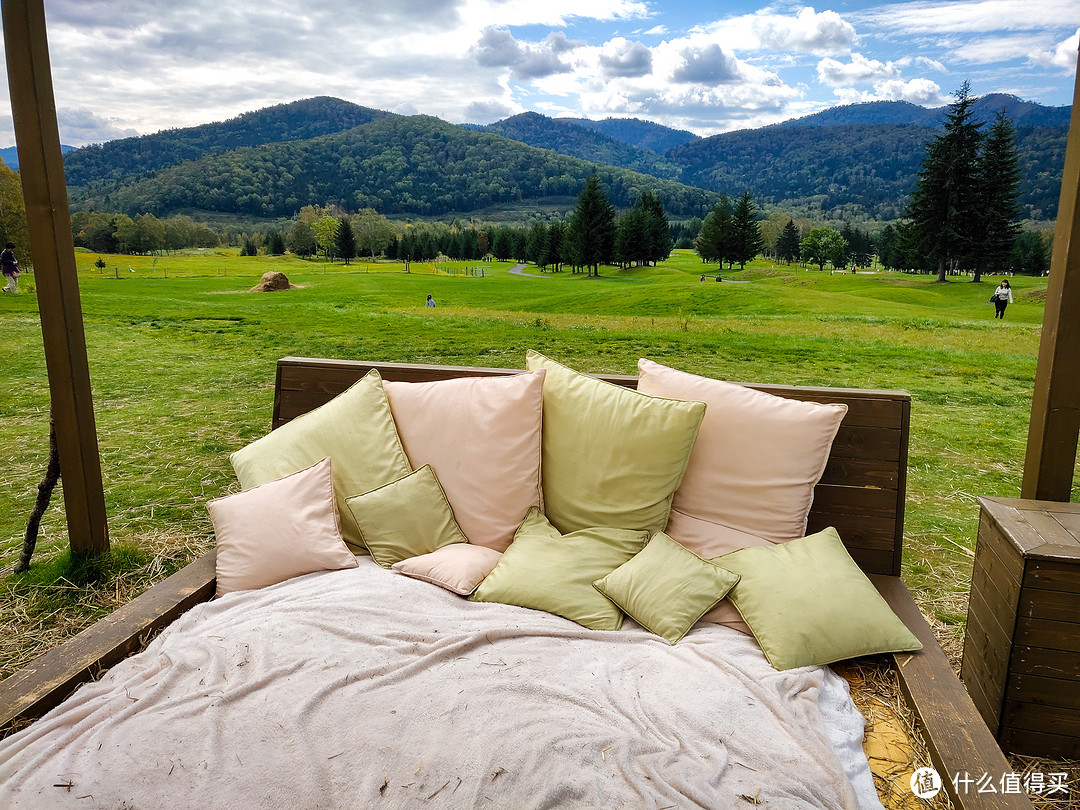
(481, 436)
(611, 456)
(709, 540)
(405, 518)
(278, 530)
(808, 603)
(458, 567)
(355, 429)
(546, 570)
(666, 587)
(757, 460)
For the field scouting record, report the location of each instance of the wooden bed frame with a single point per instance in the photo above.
(861, 494)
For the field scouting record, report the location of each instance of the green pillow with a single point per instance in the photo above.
(610, 456)
(808, 603)
(405, 518)
(666, 588)
(545, 570)
(355, 430)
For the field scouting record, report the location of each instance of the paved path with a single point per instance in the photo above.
(519, 270)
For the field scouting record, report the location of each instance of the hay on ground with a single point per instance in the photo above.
(894, 743)
(273, 281)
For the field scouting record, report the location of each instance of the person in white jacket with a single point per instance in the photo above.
(1002, 297)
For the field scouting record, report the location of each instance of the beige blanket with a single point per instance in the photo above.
(363, 688)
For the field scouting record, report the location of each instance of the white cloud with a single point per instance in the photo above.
(709, 66)
(485, 112)
(806, 32)
(82, 125)
(989, 50)
(620, 57)
(915, 91)
(821, 34)
(859, 70)
(970, 16)
(922, 61)
(498, 48)
(1063, 55)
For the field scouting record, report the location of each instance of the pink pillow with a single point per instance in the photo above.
(752, 473)
(278, 530)
(481, 436)
(757, 458)
(458, 567)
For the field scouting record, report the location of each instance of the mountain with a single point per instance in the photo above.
(130, 157)
(565, 136)
(10, 155)
(634, 131)
(850, 162)
(406, 165)
(1023, 113)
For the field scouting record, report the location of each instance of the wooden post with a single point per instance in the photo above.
(1055, 407)
(49, 221)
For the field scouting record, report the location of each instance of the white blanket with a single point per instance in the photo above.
(362, 688)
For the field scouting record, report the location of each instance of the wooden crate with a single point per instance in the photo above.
(1022, 648)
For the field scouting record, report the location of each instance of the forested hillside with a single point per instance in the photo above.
(117, 160)
(851, 162)
(865, 169)
(634, 131)
(1023, 113)
(395, 164)
(565, 136)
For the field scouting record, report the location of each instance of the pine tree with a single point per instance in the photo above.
(998, 180)
(632, 237)
(746, 239)
(345, 241)
(553, 246)
(944, 206)
(275, 243)
(590, 235)
(885, 244)
(787, 244)
(659, 243)
(713, 241)
(535, 243)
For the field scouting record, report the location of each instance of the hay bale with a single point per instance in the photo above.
(272, 281)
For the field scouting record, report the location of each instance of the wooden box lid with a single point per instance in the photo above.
(1039, 530)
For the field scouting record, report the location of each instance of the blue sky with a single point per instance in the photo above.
(122, 67)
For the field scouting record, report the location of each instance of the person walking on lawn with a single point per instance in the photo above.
(10, 267)
(1002, 298)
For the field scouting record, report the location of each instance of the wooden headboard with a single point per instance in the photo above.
(861, 492)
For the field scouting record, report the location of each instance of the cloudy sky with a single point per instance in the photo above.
(125, 67)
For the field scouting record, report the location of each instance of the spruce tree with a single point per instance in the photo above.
(535, 243)
(658, 241)
(944, 206)
(787, 244)
(998, 180)
(590, 235)
(345, 240)
(713, 241)
(553, 246)
(275, 243)
(885, 244)
(746, 239)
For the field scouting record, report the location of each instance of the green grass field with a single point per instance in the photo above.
(182, 362)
